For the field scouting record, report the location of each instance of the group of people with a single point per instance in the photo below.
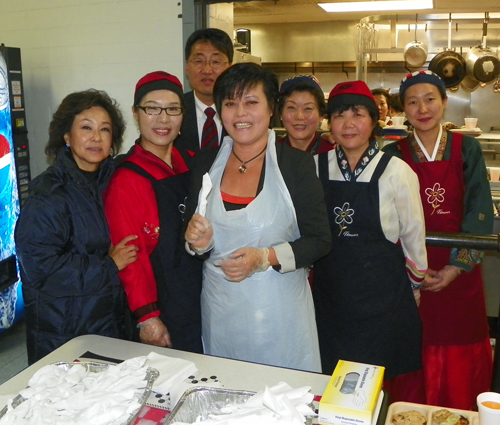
(202, 236)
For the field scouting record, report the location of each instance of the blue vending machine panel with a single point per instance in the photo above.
(11, 302)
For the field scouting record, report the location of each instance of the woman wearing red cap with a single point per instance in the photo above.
(146, 197)
(456, 198)
(366, 291)
(301, 106)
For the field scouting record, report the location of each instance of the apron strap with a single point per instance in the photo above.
(323, 171)
(381, 166)
(139, 170)
(456, 146)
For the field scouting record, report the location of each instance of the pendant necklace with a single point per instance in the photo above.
(243, 167)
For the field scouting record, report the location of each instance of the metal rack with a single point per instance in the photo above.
(431, 22)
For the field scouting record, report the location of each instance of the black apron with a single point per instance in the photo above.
(178, 275)
(365, 309)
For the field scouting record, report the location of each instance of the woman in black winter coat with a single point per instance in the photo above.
(68, 266)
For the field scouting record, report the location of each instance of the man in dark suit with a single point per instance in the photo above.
(208, 53)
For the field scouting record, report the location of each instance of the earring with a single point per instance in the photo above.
(67, 144)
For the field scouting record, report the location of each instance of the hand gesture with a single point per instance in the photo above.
(154, 332)
(437, 281)
(244, 262)
(199, 234)
(123, 254)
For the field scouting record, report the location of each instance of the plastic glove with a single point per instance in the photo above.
(154, 332)
(244, 263)
(199, 234)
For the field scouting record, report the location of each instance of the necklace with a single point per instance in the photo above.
(243, 167)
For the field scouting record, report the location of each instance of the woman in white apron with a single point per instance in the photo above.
(263, 224)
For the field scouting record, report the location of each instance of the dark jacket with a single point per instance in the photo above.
(70, 284)
(188, 141)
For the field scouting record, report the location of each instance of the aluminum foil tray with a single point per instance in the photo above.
(143, 393)
(204, 401)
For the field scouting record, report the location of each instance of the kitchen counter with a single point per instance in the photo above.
(494, 137)
(232, 374)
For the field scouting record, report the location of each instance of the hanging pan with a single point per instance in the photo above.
(481, 63)
(469, 84)
(448, 64)
(415, 53)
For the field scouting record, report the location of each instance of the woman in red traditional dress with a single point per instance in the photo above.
(456, 199)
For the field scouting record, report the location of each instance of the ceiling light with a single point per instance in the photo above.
(364, 6)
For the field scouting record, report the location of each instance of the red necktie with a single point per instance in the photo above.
(209, 137)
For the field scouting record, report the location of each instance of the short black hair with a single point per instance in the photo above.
(221, 41)
(382, 92)
(74, 104)
(395, 103)
(237, 79)
(303, 87)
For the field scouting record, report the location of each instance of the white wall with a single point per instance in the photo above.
(71, 45)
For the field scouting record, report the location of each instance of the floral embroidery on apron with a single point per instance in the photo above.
(343, 217)
(435, 197)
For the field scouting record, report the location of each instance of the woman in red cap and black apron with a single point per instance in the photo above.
(146, 197)
(366, 290)
(456, 199)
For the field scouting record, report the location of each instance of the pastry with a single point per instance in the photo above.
(445, 417)
(411, 417)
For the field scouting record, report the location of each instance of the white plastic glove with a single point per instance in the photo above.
(154, 332)
(199, 234)
(244, 262)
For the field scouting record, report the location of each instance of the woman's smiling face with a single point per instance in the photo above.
(246, 119)
(90, 138)
(424, 107)
(158, 131)
(352, 129)
(301, 118)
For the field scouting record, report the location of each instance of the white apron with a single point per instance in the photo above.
(269, 317)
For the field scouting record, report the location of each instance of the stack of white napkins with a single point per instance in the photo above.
(57, 396)
(77, 396)
(172, 371)
(278, 405)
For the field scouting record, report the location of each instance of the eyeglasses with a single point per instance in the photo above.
(215, 64)
(156, 110)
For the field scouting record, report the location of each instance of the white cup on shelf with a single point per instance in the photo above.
(398, 121)
(470, 123)
(488, 407)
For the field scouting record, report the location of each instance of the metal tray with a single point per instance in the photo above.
(204, 401)
(143, 393)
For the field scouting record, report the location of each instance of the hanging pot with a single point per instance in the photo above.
(449, 65)
(469, 84)
(415, 53)
(481, 63)
(496, 86)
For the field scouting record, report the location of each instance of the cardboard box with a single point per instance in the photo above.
(351, 395)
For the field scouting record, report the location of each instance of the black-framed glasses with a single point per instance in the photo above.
(215, 64)
(156, 110)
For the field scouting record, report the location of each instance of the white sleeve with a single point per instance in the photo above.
(411, 219)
